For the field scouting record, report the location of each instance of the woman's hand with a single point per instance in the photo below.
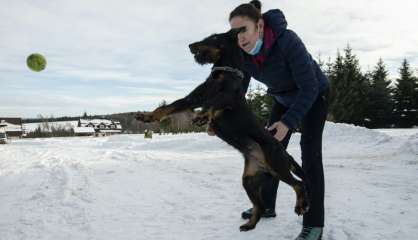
(281, 130)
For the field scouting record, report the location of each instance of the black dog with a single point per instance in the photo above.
(224, 107)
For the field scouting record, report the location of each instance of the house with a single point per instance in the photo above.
(12, 127)
(100, 126)
(84, 131)
(3, 136)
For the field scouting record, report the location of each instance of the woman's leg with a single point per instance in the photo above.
(311, 146)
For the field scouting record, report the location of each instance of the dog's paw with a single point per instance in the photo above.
(302, 207)
(200, 119)
(246, 227)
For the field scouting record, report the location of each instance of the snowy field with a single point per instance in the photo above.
(189, 187)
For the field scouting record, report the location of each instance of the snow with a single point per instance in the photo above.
(399, 131)
(188, 186)
(96, 121)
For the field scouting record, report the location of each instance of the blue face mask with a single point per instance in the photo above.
(257, 47)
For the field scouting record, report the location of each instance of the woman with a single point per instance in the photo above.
(276, 56)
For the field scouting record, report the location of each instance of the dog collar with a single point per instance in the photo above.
(229, 69)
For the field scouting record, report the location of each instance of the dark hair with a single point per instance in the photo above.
(251, 10)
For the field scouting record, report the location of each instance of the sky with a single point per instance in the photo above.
(129, 55)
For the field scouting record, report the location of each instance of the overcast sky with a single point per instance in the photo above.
(128, 55)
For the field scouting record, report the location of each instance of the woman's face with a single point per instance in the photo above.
(248, 37)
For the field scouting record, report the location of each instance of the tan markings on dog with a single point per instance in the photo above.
(297, 189)
(203, 114)
(214, 53)
(299, 200)
(256, 160)
(217, 113)
(253, 220)
(210, 114)
(220, 77)
(213, 114)
(161, 112)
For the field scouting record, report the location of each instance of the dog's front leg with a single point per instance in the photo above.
(201, 118)
(213, 108)
(193, 100)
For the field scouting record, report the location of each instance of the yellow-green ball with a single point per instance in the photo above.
(36, 62)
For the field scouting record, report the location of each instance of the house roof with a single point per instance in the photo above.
(17, 121)
(97, 122)
(10, 127)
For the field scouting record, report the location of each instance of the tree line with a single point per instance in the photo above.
(367, 99)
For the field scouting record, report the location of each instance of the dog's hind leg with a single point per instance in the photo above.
(281, 164)
(302, 199)
(253, 179)
(252, 185)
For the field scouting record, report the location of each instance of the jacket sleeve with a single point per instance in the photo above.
(302, 71)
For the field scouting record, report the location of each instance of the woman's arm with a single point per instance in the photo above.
(302, 70)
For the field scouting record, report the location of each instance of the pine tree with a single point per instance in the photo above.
(260, 103)
(349, 89)
(380, 104)
(321, 63)
(336, 77)
(405, 97)
(328, 69)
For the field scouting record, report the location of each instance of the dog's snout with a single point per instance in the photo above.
(194, 48)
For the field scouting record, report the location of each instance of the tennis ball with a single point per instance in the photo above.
(36, 62)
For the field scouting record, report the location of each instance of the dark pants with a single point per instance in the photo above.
(312, 126)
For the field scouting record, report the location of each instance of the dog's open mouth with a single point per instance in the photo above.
(200, 58)
(204, 54)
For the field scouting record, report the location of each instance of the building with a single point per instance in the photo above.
(101, 126)
(12, 127)
(84, 131)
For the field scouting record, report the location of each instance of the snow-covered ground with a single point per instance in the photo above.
(189, 187)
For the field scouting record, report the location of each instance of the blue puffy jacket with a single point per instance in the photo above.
(293, 78)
